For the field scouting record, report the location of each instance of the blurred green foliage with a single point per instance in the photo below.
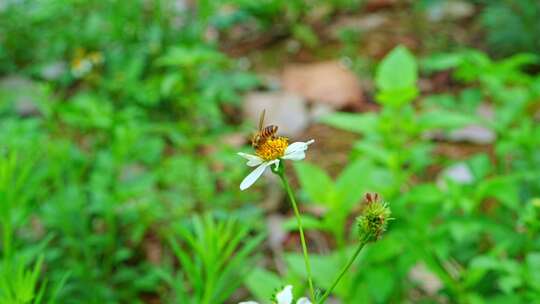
(466, 230)
(512, 26)
(112, 117)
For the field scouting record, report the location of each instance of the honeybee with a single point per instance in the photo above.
(263, 134)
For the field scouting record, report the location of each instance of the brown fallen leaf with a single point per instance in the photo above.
(324, 82)
(373, 5)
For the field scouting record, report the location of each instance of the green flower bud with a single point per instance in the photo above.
(373, 221)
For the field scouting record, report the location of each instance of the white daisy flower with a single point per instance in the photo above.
(270, 153)
(284, 297)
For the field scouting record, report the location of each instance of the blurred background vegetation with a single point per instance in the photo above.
(120, 122)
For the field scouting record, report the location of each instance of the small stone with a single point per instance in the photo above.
(131, 171)
(486, 110)
(24, 93)
(459, 173)
(320, 110)
(450, 10)
(361, 24)
(54, 70)
(26, 108)
(474, 133)
(426, 279)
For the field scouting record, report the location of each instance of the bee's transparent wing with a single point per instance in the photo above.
(261, 119)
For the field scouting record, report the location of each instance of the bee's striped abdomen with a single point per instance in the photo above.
(269, 131)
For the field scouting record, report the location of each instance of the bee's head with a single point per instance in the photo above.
(255, 138)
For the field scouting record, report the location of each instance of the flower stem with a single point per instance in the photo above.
(290, 193)
(363, 242)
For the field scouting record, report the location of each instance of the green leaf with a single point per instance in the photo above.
(398, 70)
(352, 183)
(86, 111)
(375, 151)
(503, 188)
(533, 264)
(306, 35)
(509, 283)
(315, 182)
(389, 247)
(444, 119)
(382, 283)
(484, 262)
(397, 97)
(480, 166)
(190, 56)
(518, 62)
(308, 222)
(262, 283)
(396, 78)
(357, 123)
(441, 61)
(324, 267)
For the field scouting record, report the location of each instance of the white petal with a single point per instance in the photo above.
(255, 174)
(248, 302)
(298, 146)
(297, 155)
(303, 301)
(285, 296)
(253, 160)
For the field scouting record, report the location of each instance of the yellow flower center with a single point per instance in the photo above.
(272, 148)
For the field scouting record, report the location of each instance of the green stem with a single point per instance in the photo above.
(363, 242)
(287, 187)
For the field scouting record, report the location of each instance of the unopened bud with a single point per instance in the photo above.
(374, 219)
